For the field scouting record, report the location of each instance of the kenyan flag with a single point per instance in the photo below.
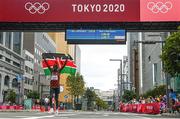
(65, 62)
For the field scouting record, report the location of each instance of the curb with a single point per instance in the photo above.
(19, 111)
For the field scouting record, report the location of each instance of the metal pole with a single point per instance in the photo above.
(118, 90)
(121, 80)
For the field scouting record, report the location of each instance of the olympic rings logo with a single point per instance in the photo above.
(37, 7)
(159, 7)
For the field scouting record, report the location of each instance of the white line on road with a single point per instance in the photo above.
(40, 117)
(22, 116)
(6, 118)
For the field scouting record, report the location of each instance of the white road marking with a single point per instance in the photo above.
(22, 116)
(6, 118)
(40, 117)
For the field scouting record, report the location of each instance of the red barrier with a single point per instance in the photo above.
(134, 108)
(150, 108)
(7, 107)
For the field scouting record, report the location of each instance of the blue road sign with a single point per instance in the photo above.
(96, 36)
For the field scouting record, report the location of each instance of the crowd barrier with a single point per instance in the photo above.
(150, 108)
(7, 107)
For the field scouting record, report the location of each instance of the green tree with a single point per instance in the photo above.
(33, 95)
(11, 96)
(75, 86)
(159, 90)
(128, 95)
(91, 96)
(101, 104)
(171, 54)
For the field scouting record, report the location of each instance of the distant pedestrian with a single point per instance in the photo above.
(173, 98)
(46, 100)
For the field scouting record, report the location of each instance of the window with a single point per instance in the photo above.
(149, 59)
(26, 69)
(17, 42)
(16, 64)
(25, 80)
(154, 74)
(35, 50)
(26, 57)
(8, 40)
(6, 81)
(1, 57)
(1, 37)
(15, 83)
(8, 60)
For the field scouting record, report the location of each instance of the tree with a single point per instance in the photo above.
(33, 95)
(128, 95)
(75, 86)
(159, 90)
(171, 54)
(11, 96)
(101, 104)
(91, 96)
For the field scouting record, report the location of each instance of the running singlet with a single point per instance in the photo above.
(54, 81)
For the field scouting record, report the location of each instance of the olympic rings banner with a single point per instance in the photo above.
(89, 10)
(160, 10)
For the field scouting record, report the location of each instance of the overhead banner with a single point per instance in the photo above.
(160, 10)
(69, 10)
(89, 10)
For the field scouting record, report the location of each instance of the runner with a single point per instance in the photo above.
(55, 84)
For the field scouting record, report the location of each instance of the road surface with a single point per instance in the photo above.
(77, 115)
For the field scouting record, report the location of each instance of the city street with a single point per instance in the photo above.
(77, 115)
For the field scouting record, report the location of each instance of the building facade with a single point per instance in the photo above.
(75, 52)
(37, 43)
(126, 84)
(151, 74)
(145, 65)
(29, 72)
(106, 96)
(11, 64)
(133, 60)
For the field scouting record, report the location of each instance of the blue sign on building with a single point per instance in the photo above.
(96, 36)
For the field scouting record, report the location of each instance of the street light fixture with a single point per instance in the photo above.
(119, 74)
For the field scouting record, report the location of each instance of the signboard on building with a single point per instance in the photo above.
(96, 36)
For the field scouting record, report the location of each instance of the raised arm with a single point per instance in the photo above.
(51, 70)
(61, 68)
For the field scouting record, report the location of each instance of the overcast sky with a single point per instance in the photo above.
(96, 68)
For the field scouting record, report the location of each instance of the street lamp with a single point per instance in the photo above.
(119, 74)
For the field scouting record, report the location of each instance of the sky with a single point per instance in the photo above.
(97, 70)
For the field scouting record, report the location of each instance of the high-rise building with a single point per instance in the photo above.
(37, 43)
(126, 84)
(133, 60)
(151, 73)
(145, 65)
(29, 72)
(11, 64)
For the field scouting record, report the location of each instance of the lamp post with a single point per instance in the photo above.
(119, 77)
